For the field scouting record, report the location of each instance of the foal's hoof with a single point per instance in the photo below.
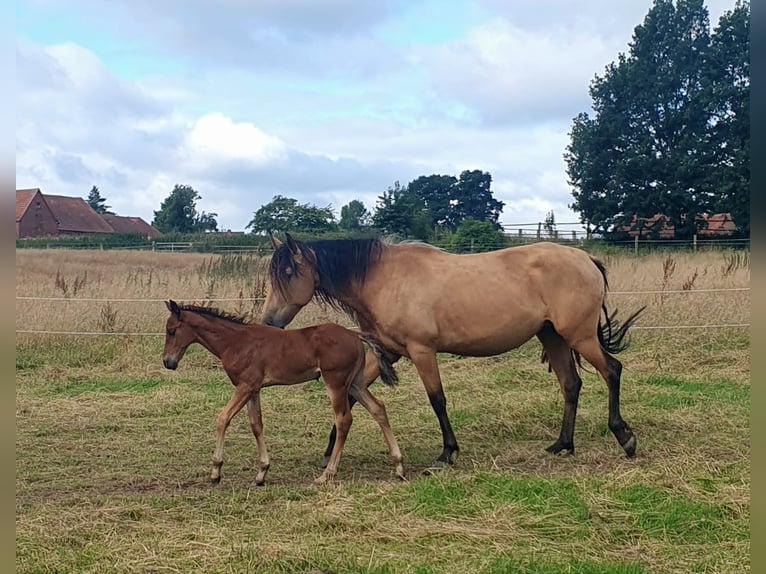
(630, 447)
(325, 461)
(215, 481)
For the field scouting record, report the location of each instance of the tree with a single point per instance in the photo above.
(178, 213)
(437, 193)
(97, 202)
(285, 214)
(729, 106)
(550, 225)
(649, 147)
(473, 236)
(402, 213)
(354, 216)
(475, 200)
(450, 200)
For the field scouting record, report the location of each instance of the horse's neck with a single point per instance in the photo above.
(216, 335)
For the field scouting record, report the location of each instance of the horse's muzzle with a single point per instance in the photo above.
(170, 363)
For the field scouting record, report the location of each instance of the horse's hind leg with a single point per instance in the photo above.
(562, 362)
(378, 411)
(610, 369)
(337, 388)
(371, 372)
(256, 425)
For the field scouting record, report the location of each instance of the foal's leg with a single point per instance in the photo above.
(378, 411)
(337, 388)
(561, 361)
(610, 369)
(236, 402)
(424, 360)
(371, 373)
(256, 425)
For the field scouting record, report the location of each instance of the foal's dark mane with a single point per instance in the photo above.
(213, 312)
(340, 263)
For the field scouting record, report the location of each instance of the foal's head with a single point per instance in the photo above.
(293, 281)
(178, 336)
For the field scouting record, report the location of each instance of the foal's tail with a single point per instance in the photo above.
(385, 366)
(611, 332)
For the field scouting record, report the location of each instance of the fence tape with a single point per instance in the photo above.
(633, 328)
(206, 298)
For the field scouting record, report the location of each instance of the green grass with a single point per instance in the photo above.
(112, 459)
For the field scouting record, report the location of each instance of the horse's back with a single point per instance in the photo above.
(487, 303)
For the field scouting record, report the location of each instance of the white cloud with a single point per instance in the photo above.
(216, 138)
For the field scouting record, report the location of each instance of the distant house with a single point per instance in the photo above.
(39, 215)
(717, 225)
(34, 217)
(660, 226)
(75, 216)
(134, 225)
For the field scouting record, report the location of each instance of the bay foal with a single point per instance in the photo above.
(257, 356)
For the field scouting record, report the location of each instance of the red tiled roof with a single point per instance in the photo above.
(23, 199)
(122, 224)
(75, 215)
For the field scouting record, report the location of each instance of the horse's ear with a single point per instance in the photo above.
(275, 243)
(292, 245)
(173, 308)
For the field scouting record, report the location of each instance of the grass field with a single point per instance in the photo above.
(113, 452)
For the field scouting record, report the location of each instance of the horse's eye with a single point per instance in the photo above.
(171, 332)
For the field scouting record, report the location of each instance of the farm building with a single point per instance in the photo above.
(661, 227)
(39, 215)
(34, 217)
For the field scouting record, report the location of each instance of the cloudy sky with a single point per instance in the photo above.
(321, 100)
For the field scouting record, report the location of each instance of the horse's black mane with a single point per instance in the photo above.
(213, 312)
(339, 264)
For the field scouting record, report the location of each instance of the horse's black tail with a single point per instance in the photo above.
(385, 366)
(611, 333)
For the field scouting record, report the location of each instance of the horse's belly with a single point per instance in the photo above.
(486, 342)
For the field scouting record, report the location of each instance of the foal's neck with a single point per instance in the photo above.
(218, 335)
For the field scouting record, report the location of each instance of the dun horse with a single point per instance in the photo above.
(255, 356)
(418, 300)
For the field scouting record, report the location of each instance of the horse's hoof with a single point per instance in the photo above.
(325, 462)
(436, 467)
(215, 481)
(561, 449)
(630, 447)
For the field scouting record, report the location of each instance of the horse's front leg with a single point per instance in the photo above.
(256, 425)
(424, 360)
(241, 395)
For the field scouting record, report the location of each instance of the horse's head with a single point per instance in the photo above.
(293, 280)
(178, 336)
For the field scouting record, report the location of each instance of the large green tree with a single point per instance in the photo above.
(354, 216)
(649, 147)
(97, 202)
(400, 212)
(285, 214)
(451, 200)
(178, 213)
(729, 107)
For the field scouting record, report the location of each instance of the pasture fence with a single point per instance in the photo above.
(207, 299)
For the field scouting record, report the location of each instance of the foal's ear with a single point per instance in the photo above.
(173, 308)
(292, 245)
(275, 243)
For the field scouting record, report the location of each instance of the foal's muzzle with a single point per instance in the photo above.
(170, 363)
